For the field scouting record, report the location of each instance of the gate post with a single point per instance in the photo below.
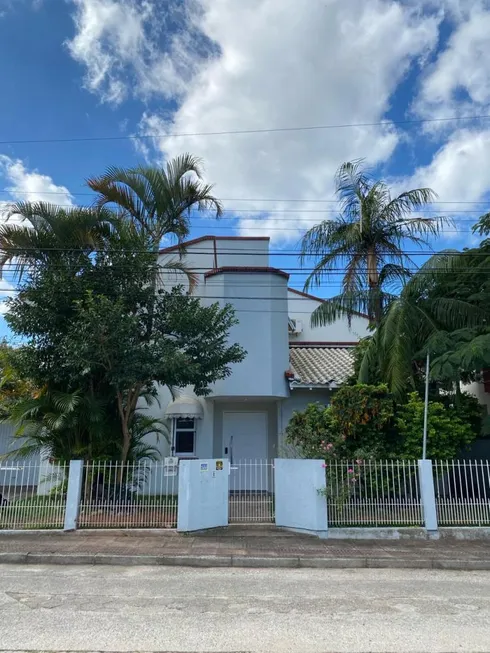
(428, 496)
(73, 495)
(203, 494)
(300, 503)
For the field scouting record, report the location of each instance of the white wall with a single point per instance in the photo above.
(301, 308)
(214, 253)
(478, 390)
(260, 302)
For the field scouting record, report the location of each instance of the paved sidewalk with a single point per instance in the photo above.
(239, 546)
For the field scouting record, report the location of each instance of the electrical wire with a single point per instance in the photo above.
(223, 199)
(269, 130)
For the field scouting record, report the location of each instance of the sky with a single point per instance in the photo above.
(145, 80)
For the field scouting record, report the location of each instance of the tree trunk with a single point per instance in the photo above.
(124, 428)
(375, 305)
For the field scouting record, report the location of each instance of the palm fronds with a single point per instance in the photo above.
(368, 240)
(159, 200)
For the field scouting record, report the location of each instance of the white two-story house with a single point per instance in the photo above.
(288, 364)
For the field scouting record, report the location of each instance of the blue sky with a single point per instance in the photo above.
(91, 68)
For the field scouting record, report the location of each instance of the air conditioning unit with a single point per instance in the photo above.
(295, 326)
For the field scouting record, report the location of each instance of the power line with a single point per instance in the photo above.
(222, 251)
(223, 199)
(270, 130)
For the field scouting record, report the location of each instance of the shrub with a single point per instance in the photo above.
(310, 429)
(447, 433)
(363, 422)
(357, 425)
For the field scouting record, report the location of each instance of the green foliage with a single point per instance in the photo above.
(363, 422)
(158, 201)
(13, 387)
(357, 425)
(444, 308)
(309, 430)
(447, 433)
(362, 411)
(98, 335)
(373, 376)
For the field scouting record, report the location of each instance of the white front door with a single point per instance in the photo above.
(245, 444)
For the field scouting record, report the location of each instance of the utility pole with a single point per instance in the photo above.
(426, 407)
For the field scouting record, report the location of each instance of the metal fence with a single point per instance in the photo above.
(128, 495)
(462, 492)
(373, 493)
(32, 495)
(251, 495)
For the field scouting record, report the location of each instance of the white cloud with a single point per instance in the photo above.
(6, 6)
(458, 83)
(331, 63)
(458, 173)
(266, 64)
(30, 185)
(24, 184)
(459, 169)
(125, 48)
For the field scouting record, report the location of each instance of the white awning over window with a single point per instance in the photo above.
(187, 407)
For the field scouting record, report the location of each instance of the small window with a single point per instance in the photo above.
(185, 437)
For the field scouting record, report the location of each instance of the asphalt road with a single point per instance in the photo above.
(174, 609)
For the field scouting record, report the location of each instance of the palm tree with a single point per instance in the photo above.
(64, 425)
(367, 240)
(426, 316)
(50, 232)
(157, 200)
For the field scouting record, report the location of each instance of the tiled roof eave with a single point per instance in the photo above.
(301, 385)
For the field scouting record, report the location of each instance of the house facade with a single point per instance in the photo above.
(288, 363)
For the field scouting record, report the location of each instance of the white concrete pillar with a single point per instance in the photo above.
(300, 502)
(428, 496)
(73, 494)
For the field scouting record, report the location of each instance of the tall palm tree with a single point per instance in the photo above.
(367, 241)
(158, 200)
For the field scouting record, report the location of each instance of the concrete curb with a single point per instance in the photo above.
(294, 562)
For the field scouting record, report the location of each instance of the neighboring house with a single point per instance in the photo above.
(15, 472)
(288, 364)
(480, 389)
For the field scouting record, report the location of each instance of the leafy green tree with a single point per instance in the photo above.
(311, 429)
(158, 203)
(444, 309)
(96, 332)
(74, 425)
(368, 240)
(49, 233)
(184, 343)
